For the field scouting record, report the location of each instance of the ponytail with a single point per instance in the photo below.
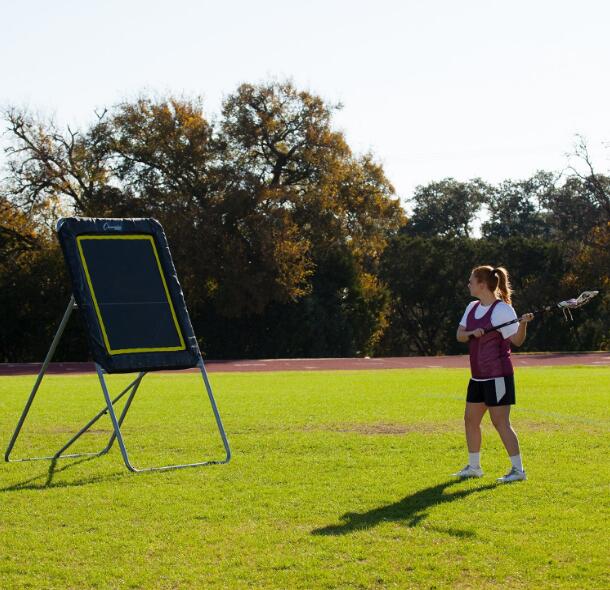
(503, 284)
(496, 279)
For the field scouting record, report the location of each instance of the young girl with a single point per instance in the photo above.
(492, 386)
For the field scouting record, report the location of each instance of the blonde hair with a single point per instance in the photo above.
(496, 279)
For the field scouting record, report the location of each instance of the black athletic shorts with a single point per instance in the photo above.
(494, 392)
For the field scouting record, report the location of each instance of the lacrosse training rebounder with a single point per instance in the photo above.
(125, 285)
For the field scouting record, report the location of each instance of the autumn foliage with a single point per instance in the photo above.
(287, 243)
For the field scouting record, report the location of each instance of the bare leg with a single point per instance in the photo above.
(472, 422)
(500, 417)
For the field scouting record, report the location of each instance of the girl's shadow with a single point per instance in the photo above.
(411, 509)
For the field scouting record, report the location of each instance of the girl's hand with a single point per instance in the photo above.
(528, 317)
(478, 332)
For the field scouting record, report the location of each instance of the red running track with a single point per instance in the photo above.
(334, 364)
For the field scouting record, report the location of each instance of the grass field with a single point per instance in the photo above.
(339, 480)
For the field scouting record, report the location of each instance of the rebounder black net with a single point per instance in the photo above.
(125, 285)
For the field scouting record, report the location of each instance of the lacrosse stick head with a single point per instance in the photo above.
(581, 300)
(569, 304)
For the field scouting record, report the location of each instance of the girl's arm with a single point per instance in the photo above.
(463, 335)
(519, 337)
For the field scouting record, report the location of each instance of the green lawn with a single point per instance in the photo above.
(338, 480)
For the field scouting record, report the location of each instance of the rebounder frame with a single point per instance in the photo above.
(130, 390)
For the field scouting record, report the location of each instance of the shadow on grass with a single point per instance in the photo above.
(46, 480)
(411, 509)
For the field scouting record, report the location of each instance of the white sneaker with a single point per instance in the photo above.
(469, 471)
(513, 475)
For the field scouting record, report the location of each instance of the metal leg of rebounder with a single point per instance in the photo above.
(116, 422)
(47, 360)
(132, 387)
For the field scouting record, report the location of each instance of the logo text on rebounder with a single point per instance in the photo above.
(113, 226)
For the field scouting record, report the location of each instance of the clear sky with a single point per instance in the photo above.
(434, 88)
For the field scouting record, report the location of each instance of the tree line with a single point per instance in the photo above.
(287, 243)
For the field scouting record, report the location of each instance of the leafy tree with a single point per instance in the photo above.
(32, 296)
(447, 208)
(282, 148)
(52, 172)
(515, 208)
(427, 278)
(597, 185)
(574, 209)
(254, 204)
(590, 270)
(287, 243)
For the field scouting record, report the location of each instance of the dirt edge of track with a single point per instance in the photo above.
(550, 359)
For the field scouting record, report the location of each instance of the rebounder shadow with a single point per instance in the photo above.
(45, 481)
(411, 510)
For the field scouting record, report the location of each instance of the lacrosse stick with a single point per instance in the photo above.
(565, 306)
